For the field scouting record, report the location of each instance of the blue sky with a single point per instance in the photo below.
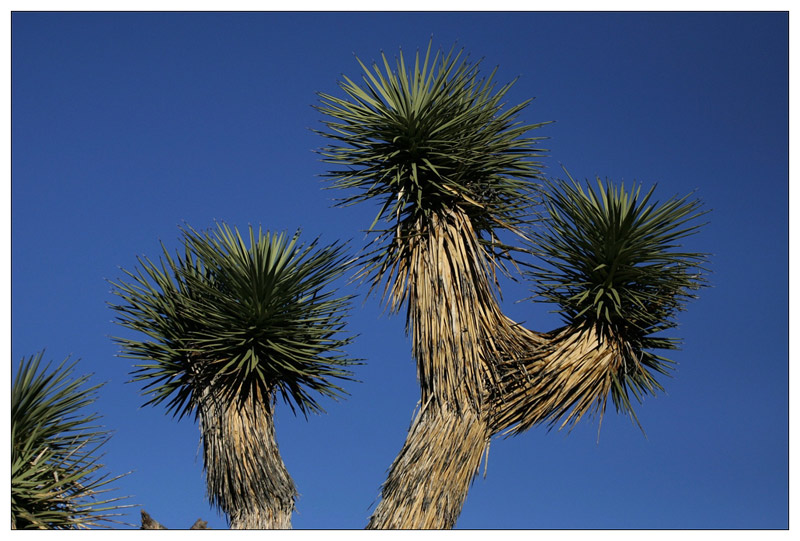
(127, 125)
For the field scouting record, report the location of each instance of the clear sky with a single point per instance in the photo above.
(127, 125)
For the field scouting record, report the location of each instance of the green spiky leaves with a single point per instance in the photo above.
(238, 318)
(56, 479)
(612, 255)
(614, 263)
(432, 138)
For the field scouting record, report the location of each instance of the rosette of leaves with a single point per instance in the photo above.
(426, 141)
(57, 480)
(615, 266)
(229, 326)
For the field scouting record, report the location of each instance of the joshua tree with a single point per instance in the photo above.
(453, 171)
(229, 327)
(56, 479)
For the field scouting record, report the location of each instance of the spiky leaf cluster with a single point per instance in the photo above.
(56, 478)
(239, 318)
(614, 261)
(432, 138)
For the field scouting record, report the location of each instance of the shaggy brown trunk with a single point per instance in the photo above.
(480, 373)
(245, 474)
(429, 479)
(454, 320)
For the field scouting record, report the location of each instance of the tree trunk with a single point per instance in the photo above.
(453, 319)
(245, 474)
(429, 479)
(480, 373)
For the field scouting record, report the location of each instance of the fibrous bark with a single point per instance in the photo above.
(459, 336)
(570, 373)
(480, 373)
(429, 479)
(245, 474)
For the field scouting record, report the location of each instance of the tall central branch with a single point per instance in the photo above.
(458, 334)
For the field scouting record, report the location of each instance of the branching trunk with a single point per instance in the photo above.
(480, 373)
(245, 474)
(454, 321)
